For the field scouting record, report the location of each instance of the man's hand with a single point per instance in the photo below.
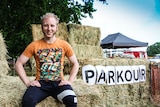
(64, 82)
(34, 83)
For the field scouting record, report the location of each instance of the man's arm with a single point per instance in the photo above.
(73, 72)
(21, 72)
(20, 69)
(75, 68)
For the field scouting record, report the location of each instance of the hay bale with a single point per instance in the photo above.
(36, 32)
(12, 90)
(86, 35)
(87, 51)
(124, 95)
(4, 67)
(104, 62)
(62, 32)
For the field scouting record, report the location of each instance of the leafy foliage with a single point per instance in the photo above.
(153, 49)
(18, 15)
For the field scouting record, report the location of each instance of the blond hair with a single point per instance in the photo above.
(50, 15)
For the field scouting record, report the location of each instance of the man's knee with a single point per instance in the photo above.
(70, 101)
(28, 101)
(68, 97)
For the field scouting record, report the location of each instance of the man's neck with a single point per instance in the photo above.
(50, 40)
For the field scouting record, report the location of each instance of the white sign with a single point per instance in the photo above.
(89, 74)
(110, 75)
(101, 74)
(113, 75)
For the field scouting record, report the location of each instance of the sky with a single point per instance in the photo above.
(137, 19)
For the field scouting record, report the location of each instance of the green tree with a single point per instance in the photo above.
(153, 49)
(17, 16)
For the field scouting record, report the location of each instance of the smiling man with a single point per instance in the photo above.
(49, 53)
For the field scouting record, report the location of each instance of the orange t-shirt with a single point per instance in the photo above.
(49, 58)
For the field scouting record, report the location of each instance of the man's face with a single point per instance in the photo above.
(49, 27)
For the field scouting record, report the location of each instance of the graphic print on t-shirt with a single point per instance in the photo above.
(50, 63)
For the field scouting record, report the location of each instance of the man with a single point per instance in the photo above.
(49, 53)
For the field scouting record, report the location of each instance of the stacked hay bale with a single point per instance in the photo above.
(85, 42)
(4, 68)
(125, 95)
(3, 57)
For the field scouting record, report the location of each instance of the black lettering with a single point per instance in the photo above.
(87, 76)
(102, 76)
(119, 76)
(128, 79)
(143, 74)
(134, 74)
(110, 76)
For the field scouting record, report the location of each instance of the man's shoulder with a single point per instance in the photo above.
(61, 40)
(37, 41)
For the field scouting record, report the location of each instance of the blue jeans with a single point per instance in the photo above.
(34, 95)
